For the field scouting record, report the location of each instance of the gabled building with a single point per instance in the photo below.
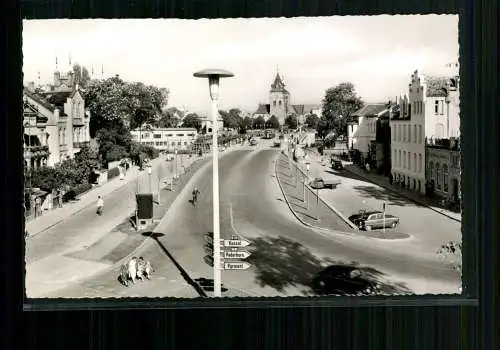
(67, 124)
(361, 129)
(430, 110)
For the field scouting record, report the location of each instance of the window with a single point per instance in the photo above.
(180, 135)
(173, 143)
(185, 143)
(420, 134)
(274, 102)
(395, 156)
(279, 102)
(441, 107)
(404, 159)
(409, 160)
(445, 178)
(431, 171)
(170, 135)
(404, 133)
(157, 136)
(436, 107)
(414, 162)
(399, 159)
(420, 162)
(438, 176)
(414, 133)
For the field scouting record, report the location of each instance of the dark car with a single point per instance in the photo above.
(320, 183)
(343, 280)
(368, 220)
(337, 164)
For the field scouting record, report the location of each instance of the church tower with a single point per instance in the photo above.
(279, 99)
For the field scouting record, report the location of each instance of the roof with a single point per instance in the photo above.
(59, 98)
(263, 109)
(306, 108)
(436, 86)
(38, 99)
(278, 85)
(370, 110)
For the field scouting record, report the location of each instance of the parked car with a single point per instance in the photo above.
(253, 142)
(368, 220)
(320, 183)
(337, 164)
(343, 280)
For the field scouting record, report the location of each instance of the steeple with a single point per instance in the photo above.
(278, 85)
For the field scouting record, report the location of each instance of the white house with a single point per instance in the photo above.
(362, 127)
(62, 125)
(430, 110)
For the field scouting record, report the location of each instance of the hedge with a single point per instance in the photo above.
(76, 191)
(113, 172)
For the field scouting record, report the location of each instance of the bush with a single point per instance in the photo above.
(113, 172)
(76, 191)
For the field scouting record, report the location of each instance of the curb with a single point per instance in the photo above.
(293, 211)
(335, 210)
(405, 196)
(31, 235)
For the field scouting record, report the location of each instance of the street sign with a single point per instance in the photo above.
(240, 254)
(236, 243)
(236, 265)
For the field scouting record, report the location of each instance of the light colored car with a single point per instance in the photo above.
(319, 183)
(368, 220)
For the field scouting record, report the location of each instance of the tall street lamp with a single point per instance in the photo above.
(214, 76)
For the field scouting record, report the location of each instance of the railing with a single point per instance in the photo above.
(81, 144)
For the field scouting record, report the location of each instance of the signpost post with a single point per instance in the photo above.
(383, 208)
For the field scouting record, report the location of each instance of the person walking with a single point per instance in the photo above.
(195, 194)
(59, 198)
(100, 205)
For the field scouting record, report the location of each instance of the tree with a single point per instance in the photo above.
(87, 160)
(338, 104)
(81, 75)
(273, 122)
(192, 120)
(291, 122)
(259, 122)
(451, 252)
(312, 121)
(108, 138)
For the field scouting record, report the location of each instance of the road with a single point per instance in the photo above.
(48, 254)
(285, 253)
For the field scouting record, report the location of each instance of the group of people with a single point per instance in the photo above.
(136, 268)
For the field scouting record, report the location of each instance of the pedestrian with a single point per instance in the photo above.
(38, 207)
(59, 198)
(100, 205)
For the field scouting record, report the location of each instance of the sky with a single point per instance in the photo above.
(377, 54)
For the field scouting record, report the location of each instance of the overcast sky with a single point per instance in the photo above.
(378, 54)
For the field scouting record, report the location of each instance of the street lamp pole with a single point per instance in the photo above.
(214, 76)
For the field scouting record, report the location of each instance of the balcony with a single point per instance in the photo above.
(36, 151)
(78, 122)
(451, 144)
(81, 144)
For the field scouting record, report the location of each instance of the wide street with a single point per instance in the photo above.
(49, 258)
(285, 254)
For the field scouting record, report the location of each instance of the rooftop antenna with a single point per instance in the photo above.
(56, 62)
(69, 61)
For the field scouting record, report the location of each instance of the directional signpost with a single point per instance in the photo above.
(231, 252)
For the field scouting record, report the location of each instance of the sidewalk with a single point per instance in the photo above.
(383, 181)
(53, 217)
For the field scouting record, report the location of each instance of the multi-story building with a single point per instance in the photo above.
(380, 148)
(429, 110)
(165, 139)
(362, 129)
(61, 122)
(443, 168)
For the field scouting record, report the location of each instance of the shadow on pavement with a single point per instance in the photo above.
(280, 262)
(384, 195)
(156, 236)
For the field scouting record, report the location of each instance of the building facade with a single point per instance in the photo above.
(443, 168)
(66, 126)
(362, 128)
(165, 139)
(429, 110)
